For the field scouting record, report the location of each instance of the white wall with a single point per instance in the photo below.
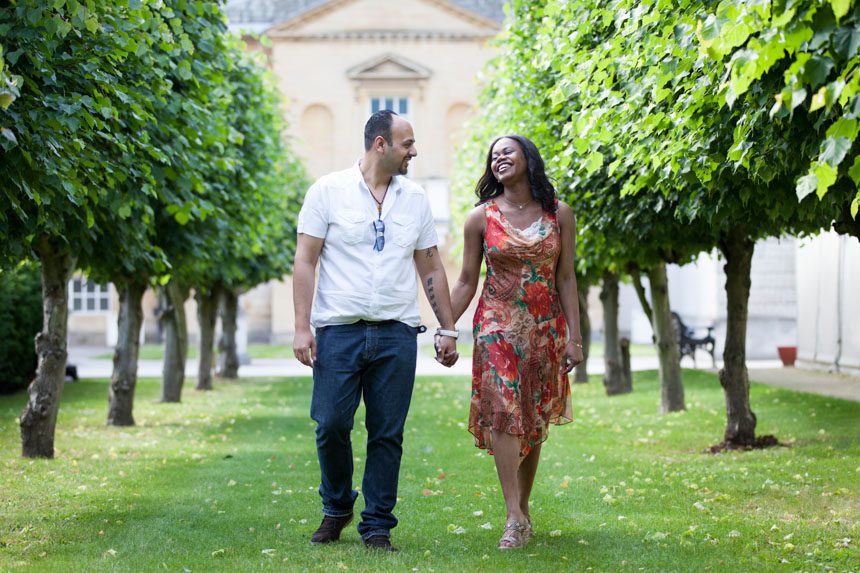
(697, 293)
(828, 283)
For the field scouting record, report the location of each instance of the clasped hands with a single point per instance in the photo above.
(446, 350)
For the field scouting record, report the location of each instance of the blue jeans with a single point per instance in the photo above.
(376, 360)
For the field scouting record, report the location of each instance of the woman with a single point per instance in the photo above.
(522, 352)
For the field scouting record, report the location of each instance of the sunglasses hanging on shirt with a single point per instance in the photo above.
(378, 224)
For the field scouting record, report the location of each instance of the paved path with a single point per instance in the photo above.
(765, 371)
(802, 380)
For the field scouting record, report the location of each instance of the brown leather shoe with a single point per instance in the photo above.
(330, 528)
(381, 542)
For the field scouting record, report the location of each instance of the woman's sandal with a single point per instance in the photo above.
(515, 536)
(530, 532)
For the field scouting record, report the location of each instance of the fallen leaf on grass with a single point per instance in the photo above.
(487, 525)
(555, 533)
(342, 566)
(218, 553)
(268, 552)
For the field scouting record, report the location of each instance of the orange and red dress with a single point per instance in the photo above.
(520, 333)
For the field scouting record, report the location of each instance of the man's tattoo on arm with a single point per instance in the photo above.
(431, 296)
(429, 253)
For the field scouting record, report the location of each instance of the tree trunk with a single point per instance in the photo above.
(207, 316)
(738, 250)
(175, 329)
(671, 385)
(624, 344)
(640, 294)
(613, 378)
(39, 418)
(124, 377)
(229, 357)
(580, 375)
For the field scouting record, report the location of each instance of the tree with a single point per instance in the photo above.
(676, 136)
(630, 108)
(70, 141)
(815, 47)
(257, 238)
(187, 133)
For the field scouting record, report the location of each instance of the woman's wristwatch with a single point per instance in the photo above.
(449, 333)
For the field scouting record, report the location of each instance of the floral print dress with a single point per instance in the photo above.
(520, 333)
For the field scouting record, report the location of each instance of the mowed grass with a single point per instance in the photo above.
(227, 481)
(596, 349)
(156, 351)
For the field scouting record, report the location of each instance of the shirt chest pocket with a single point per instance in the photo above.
(404, 231)
(352, 224)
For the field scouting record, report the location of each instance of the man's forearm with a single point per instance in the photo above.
(303, 294)
(436, 288)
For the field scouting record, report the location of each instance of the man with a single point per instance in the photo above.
(369, 228)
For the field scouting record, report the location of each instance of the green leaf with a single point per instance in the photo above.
(8, 140)
(854, 171)
(124, 211)
(819, 99)
(593, 161)
(816, 70)
(783, 19)
(846, 41)
(833, 150)
(806, 185)
(92, 24)
(842, 127)
(826, 176)
(855, 206)
(840, 7)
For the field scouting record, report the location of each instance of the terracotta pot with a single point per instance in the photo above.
(788, 354)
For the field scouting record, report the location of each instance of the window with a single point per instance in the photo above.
(87, 296)
(399, 105)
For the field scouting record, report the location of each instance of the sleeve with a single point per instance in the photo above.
(313, 216)
(427, 231)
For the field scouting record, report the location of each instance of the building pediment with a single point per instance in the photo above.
(338, 19)
(388, 67)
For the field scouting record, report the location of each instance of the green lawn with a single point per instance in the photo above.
(156, 351)
(227, 480)
(596, 349)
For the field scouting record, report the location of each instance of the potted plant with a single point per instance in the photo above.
(788, 354)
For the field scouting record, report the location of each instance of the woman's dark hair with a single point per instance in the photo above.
(542, 190)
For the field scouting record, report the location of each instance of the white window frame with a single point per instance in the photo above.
(397, 104)
(88, 297)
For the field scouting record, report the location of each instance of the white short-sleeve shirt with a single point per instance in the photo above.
(356, 282)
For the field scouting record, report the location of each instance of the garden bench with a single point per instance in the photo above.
(690, 339)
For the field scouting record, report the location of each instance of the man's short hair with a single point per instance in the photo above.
(378, 124)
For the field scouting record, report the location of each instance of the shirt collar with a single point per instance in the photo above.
(395, 184)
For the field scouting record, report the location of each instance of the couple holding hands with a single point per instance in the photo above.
(367, 230)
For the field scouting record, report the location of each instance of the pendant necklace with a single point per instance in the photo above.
(517, 205)
(379, 203)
